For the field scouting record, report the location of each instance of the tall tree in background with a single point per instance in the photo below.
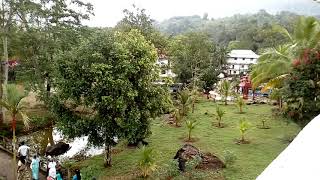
(111, 74)
(196, 59)
(138, 19)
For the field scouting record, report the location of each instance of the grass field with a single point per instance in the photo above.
(251, 160)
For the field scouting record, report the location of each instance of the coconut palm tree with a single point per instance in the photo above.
(243, 127)
(184, 101)
(147, 163)
(190, 125)
(275, 63)
(219, 113)
(13, 104)
(240, 103)
(225, 88)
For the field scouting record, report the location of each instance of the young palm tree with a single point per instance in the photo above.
(147, 163)
(219, 114)
(190, 125)
(13, 104)
(178, 117)
(243, 127)
(225, 88)
(194, 95)
(184, 101)
(274, 65)
(240, 103)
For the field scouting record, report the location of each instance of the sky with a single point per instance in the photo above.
(109, 12)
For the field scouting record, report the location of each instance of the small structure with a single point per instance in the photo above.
(239, 61)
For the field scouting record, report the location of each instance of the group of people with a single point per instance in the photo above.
(54, 170)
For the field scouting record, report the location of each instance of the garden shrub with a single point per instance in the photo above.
(229, 157)
(302, 88)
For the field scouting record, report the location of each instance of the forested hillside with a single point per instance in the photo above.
(249, 31)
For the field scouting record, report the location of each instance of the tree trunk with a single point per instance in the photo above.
(4, 73)
(189, 135)
(242, 137)
(14, 147)
(240, 109)
(193, 107)
(107, 155)
(219, 122)
(263, 124)
(252, 95)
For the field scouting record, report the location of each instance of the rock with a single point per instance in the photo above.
(189, 152)
(57, 149)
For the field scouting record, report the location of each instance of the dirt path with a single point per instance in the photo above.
(6, 168)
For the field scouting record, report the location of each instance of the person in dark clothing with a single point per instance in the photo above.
(77, 175)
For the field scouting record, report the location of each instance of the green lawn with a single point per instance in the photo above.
(252, 158)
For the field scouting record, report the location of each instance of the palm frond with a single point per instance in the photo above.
(25, 119)
(275, 82)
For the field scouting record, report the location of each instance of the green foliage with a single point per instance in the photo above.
(169, 170)
(190, 126)
(225, 89)
(178, 117)
(93, 170)
(184, 101)
(229, 157)
(301, 92)
(196, 59)
(276, 62)
(147, 162)
(219, 114)
(253, 31)
(240, 103)
(244, 126)
(111, 74)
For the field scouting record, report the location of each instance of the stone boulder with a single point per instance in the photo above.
(57, 149)
(189, 152)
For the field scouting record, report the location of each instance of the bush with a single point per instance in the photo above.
(147, 163)
(169, 170)
(91, 171)
(229, 157)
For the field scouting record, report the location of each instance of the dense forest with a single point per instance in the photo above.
(244, 31)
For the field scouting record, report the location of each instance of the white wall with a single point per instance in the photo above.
(300, 160)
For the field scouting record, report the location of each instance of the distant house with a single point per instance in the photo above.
(239, 61)
(165, 66)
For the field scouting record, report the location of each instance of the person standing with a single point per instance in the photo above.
(35, 164)
(52, 169)
(77, 175)
(23, 151)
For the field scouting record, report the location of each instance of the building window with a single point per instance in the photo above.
(163, 72)
(251, 59)
(235, 58)
(243, 58)
(230, 72)
(242, 66)
(232, 66)
(234, 72)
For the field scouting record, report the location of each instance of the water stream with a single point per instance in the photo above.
(40, 139)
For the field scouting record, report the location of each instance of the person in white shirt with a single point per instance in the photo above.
(52, 168)
(23, 151)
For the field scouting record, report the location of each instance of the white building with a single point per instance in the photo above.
(165, 66)
(239, 61)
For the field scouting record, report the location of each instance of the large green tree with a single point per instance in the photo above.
(112, 76)
(196, 59)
